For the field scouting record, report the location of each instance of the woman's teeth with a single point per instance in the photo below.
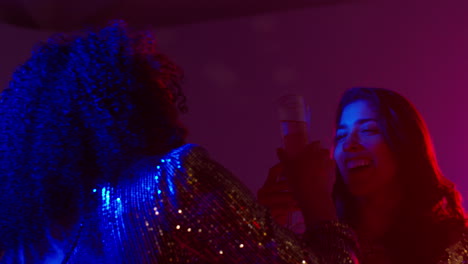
(352, 164)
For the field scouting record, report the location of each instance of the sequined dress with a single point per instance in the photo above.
(456, 253)
(184, 207)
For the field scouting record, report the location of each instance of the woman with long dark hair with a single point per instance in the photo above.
(388, 186)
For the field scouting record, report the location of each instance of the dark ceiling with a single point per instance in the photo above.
(65, 15)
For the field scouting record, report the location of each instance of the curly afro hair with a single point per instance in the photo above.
(78, 113)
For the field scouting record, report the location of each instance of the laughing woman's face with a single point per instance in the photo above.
(362, 155)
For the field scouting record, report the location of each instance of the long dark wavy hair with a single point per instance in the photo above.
(431, 216)
(80, 111)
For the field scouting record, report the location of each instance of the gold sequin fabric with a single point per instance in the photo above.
(458, 252)
(334, 242)
(186, 208)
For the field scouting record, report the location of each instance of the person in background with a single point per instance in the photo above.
(95, 168)
(388, 185)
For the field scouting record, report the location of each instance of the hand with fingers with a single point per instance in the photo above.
(276, 195)
(308, 185)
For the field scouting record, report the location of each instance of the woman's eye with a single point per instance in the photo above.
(338, 137)
(370, 131)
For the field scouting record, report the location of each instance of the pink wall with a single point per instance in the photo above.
(236, 68)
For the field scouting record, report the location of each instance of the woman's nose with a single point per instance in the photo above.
(352, 143)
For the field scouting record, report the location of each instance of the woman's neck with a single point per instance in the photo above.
(376, 214)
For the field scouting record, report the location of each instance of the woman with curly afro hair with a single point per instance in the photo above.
(94, 167)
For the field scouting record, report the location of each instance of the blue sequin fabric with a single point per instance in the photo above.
(186, 208)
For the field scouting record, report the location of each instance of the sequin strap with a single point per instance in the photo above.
(458, 252)
(335, 242)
